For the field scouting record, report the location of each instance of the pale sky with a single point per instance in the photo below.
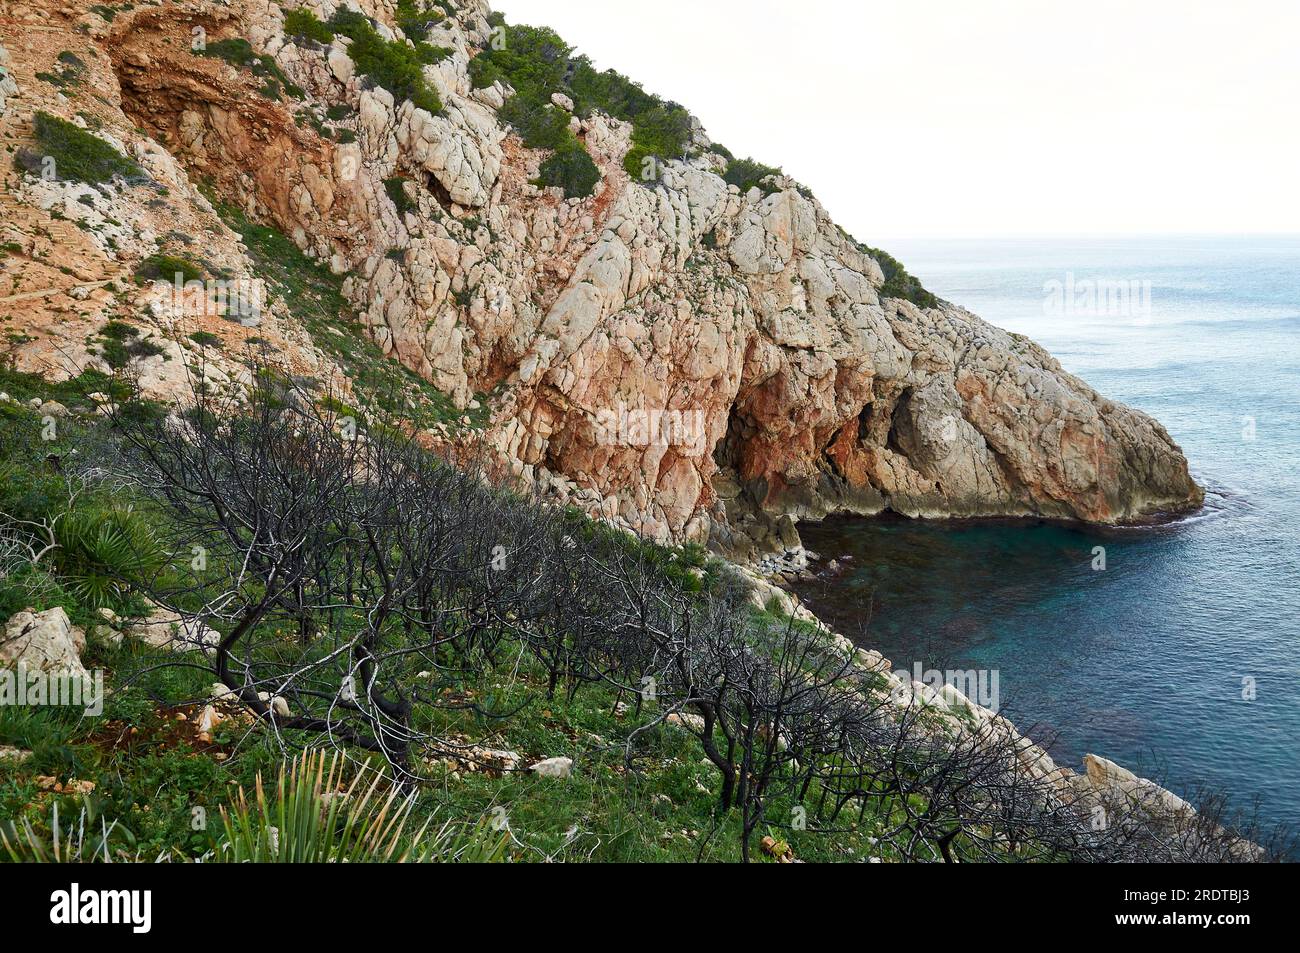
(953, 118)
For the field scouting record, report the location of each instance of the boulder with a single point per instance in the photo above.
(553, 768)
(45, 641)
(166, 629)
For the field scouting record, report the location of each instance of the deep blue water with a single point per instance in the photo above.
(1143, 662)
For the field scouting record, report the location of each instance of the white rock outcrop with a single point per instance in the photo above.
(553, 768)
(43, 641)
(166, 629)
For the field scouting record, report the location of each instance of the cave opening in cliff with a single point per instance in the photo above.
(727, 451)
(439, 192)
(900, 424)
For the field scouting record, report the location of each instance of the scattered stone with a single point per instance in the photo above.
(13, 755)
(553, 768)
(47, 783)
(166, 629)
(686, 720)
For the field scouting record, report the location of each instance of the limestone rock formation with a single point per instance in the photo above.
(166, 629)
(677, 356)
(7, 85)
(43, 641)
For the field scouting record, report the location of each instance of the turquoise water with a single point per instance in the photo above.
(1146, 661)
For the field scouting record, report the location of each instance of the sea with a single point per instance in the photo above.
(1173, 650)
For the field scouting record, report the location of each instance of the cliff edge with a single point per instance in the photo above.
(679, 341)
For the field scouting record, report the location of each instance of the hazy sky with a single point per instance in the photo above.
(935, 118)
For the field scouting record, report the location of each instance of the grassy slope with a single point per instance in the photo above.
(148, 769)
(150, 772)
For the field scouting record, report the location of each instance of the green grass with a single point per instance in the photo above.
(239, 53)
(77, 155)
(382, 385)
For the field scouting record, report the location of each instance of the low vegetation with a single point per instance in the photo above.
(169, 268)
(239, 53)
(898, 283)
(444, 634)
(746, 174)
(69, 153)
(395, 65)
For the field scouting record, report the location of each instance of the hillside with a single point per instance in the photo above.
(691, 347)
(453, 356)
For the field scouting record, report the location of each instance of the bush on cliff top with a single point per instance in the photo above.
(898, 283)
(745, 174)
(537, 63)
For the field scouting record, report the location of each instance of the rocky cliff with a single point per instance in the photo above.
(687, 351)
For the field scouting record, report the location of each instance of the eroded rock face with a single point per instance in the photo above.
(8, 87)
(680, 358)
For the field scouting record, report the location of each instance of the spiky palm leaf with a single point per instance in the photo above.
(310, 820)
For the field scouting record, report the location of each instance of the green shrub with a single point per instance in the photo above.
(162, 267)
(395, 187)
(431, 55)
(415, 23)
(898, 283)
(392, 64)
(540, 124)
(78, 155)
(745, 174)
(121, 343)
(205, 339)
(534, 60)
(102, 552)
(572, 170)
(303, 23)
(662, 132)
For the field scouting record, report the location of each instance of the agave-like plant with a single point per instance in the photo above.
(85, 841)
(309, 820)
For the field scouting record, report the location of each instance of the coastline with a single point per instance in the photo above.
(1098, 781)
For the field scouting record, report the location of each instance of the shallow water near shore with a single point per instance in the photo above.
(1146, 661)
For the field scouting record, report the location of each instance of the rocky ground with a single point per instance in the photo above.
(685, 359)
(680, 357)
